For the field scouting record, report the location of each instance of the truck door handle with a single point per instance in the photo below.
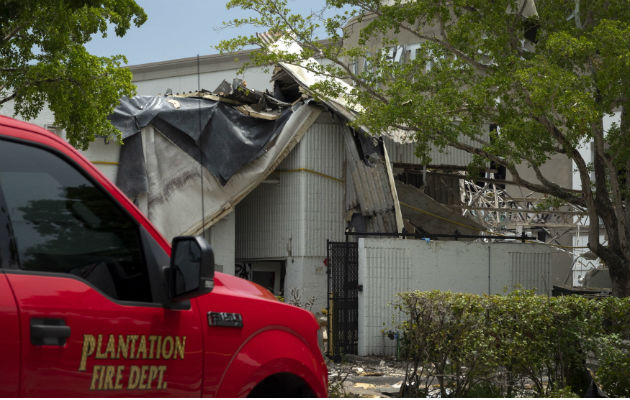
(49, 331)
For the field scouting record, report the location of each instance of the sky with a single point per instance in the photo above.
(180, 28)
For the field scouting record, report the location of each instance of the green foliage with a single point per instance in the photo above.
(546, 79)
(519, 345)
(614, 368)
(43, 61)
(485, 389)
(613, 347)
(562, 393)
(479, 68)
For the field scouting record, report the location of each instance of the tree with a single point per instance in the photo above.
(43, 61)
(546, 78)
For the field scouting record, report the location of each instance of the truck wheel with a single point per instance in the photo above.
(282, 385)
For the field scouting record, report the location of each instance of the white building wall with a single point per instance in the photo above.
(104, 154)
(405, 153)
(255, 78)
(390, 266)
(291, 217)
(268, 220)
(308, 275)
(299, 209)
(323, 152)
(221, 238)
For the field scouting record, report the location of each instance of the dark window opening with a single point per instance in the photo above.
(268, 274)
(265, 279)
(411, 177)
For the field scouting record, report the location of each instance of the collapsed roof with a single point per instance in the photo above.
(239, 136)
(234, 138)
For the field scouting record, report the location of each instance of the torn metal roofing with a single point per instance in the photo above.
(432, 216)
(222, 136)
(371, 201)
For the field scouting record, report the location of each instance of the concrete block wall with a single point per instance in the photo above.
(390, 266)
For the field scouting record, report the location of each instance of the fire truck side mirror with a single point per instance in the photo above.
(191, 272)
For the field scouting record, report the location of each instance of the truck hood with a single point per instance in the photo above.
(242, 286)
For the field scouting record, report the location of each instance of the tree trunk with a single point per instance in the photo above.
(620, 278)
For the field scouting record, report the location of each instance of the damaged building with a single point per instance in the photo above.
(270, 179)
(280, 179)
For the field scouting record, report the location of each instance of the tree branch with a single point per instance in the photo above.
(482, 68)
(575, 155)
(11, 34)
(8, 98)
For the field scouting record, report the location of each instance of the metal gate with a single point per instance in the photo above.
(343, 304)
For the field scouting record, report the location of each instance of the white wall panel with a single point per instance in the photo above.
(221, 239)
(380, 286)
(532, 271)
(267, 220)
(390, 266)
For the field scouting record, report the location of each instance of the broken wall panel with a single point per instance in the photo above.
(444, 189)
(216, 133)
(305, 78)
(404, 153)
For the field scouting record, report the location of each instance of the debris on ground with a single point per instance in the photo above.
(365, 377)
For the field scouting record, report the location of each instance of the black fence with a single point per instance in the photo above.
(343, 303)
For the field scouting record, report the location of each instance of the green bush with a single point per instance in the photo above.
(614, 365)
(521, 344)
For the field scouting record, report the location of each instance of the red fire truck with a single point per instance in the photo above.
(94, 301)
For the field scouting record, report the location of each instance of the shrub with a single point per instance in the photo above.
(614, 365)
(520, 344)
(441, 337)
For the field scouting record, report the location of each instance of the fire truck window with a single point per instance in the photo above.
(63, 223)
